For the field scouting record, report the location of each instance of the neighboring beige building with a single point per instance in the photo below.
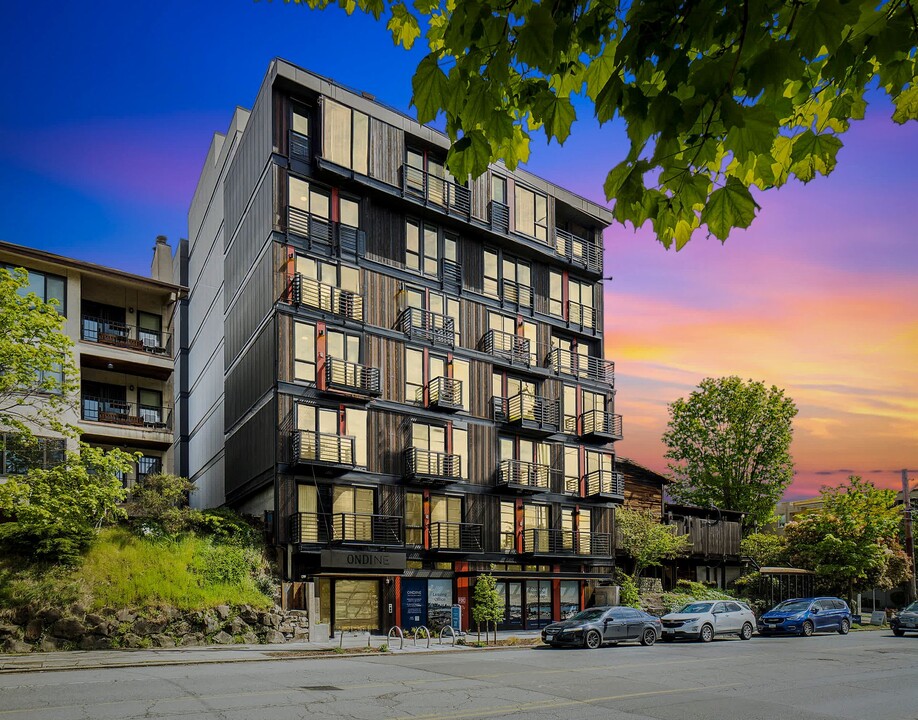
(121, 325)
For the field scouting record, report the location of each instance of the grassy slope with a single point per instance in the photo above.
(122, 570)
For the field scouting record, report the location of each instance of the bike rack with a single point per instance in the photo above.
(401, 636)
(426, 632)
(451, 632)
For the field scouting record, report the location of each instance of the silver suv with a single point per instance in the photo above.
(704, 619)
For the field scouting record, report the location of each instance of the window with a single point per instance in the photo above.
(419, 374)
(491, 282)
(531, 214)
(428, 177)
(349, 212)
(572, 469)
(48, 287)
(346, 136)
(555, 295)
(499, 189)
(593, 401)
(599, 461)
(304, 353)
(442, 305)
(569, 409)
(148, 465)
(309, 210)
(300, 122)
(150, 329)
(510, 335)
(329, 432)
(18, 454)
(352, 513)
(507, 526)
(414, 518)
(414, 375)
(580, 295)
(535, 527)
(461, 450)
(424, 247)
(340, 276)
(507, 279)
(445, 516)
(308, 506)
(151, 406)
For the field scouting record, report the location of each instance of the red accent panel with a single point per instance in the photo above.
(556, 598)
(398, 601)
(334, 205)
(321, 353)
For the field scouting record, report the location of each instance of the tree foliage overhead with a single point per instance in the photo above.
(717, 96)
(730, 446)
(648, 541)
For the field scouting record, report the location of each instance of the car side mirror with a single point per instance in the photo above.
(815, 611)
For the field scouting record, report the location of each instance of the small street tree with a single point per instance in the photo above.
(487, 604)
(162, 499)
(648, 541)
(764, 548)
(730, 446)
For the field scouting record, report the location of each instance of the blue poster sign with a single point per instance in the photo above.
(456, 618)
(414, 603)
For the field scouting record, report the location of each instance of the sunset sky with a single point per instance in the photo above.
(108, 110)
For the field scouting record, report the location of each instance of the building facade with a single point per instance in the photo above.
(122, 330)
(402, 372)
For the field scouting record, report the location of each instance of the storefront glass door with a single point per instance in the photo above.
(538, 603)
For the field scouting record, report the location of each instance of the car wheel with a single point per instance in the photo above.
(746, 632)
(706, 634)
(807, 629)
(649, 637)
(844, 627)
(592, 640)
(898, 632)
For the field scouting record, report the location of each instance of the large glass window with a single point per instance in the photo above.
(46, 286)
(569, 409)
(461, 449)
(572, 469)
(507, 526)
(499, 189)
(555, 296)
(491, 285)
(570, 598)
(346, 136)
(309, 209)
(580, 295)
(349, 212)
(304, 355)
(531, 213)
(308, 505)
(352, 510)
(414, 518)
(414, 375)
(19, 454)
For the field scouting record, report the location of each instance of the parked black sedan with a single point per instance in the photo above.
(597, 626)
(907, 620)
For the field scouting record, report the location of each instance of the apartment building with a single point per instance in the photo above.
(121, 325)
(400, 370)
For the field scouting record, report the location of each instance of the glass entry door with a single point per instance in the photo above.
(538, 603)
(512, 592)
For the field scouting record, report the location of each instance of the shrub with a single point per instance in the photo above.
(628, 590)
(227, 526)
(160, 501)
(221, 564)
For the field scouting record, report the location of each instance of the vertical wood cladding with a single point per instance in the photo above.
(473, 323)
(388, 357)
(254, 231)
(387, 151)
(281, 124)
(386, 434)
(482, 454)
(480, 389)
(251, 306)
(252, 376)
(602, 520)
(385, 233)
(541, 289)
(471, 253)
(390, 500)
(639, 496)
(485, 510)
(250, 450)
(481, 196)
(285, 330)
(380, 300)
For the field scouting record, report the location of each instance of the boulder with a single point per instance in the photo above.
(248, 614)
(50, 644)
(148, 627)
(33, 630)
(93, 620)
(192, 639)
(125, 616)
(223, 611)
(222, 638)
(104, 628)
(181, 628)
(271, 620)
(238, 626)
(286, 627)
(50, 615)
(250, 638)
(211, 624)
(132, 641)
(12, 645)
(7, 631)
(68, 628)
(94, 642)
(77, 610)
(272, 637)
(163, 641)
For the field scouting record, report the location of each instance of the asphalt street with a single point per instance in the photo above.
(863, 675)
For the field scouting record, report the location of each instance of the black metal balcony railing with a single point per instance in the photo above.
(554, 541)
(581, 366)
(578, 250)
(435, 190)
(346, 528)
(499, 216)
(116, 412)
(299, 146)
(317, 230)
(533, 412)
(461, 537)
(431, 466)
(351, 377)
(439, 329)
(513, 293)
(601, 424)
(451, 275)
(306, 291)
(131, 337)
(310, 446)
(582, 315)
(512, 349)
(443, 393)
(605, 484)
(522, 475)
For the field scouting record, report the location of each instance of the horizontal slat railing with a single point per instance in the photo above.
(513, 349)
(554, 541)
(437, 328)
(582, 366)
(116, 412)
(315, 447)
(597, 422)
(435, 190)
(422, 464)
(345, 375)
(464, 537)
(578, 250)
(443, 392)
(514, 293)
(306, 291)
(524, 474)
(605, 482)
(582, 315)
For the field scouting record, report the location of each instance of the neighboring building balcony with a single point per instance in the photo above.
(442, 393)
(122, 335)
(126, 414)
(601, 425)
(582, 315)
(456, 537)
(433, 190)
(512, 293)
(438, 329)
(578, 251)
(351, 378)
(323, 449)
(709, 536)
(506, 348)
(328, 298)
(431, 467)
(534, 413)
(319, 231)
(581, 366)
(554, 542)
(524, 476)
(346, 529)
(604, 485)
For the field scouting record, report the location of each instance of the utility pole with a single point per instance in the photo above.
(909, 542)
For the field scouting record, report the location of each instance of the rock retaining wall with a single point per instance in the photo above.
(75, 628)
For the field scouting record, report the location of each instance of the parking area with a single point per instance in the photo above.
(861, 675)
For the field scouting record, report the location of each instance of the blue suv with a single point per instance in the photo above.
(804, 616)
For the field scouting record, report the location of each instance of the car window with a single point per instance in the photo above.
(696, 608)
(734, 607)
(621, 613)
(792, 606)
(719, 608)
(912, 608)
(591, 614)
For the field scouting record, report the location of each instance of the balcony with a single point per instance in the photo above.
(544, 541)
(581, 315)
(507, 348)
(433, 190)
(601, 425)
(512, 293)
(323, 449)
(455, 537)
(351, 378)
(328, 298)
(709, 536)
(335, 237)
(438, 329)
(443, 393)
(299, 146)
(578, 251)
(346, 529)
(499, 216)
(122, 335)
(433, 468)
(129, 414)
(581, 366)
(604, 485)
(524, 476)
(534, 413)
(451, 276)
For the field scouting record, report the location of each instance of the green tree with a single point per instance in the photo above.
(38, 378)
(765, 549)
(162, 499)
(647, 541)
(717, 96)
(852, 541)
(487, 604)
(730, 446)
(56, 511)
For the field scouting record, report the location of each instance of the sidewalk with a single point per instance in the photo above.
(212, 654)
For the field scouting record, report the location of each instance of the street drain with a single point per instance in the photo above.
(325, 688)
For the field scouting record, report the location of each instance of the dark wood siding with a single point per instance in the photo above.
(541, 287)
(385, 234)
(473, 322)
(386, 434)
(380, 300)
(480, 375)
(485, 510)
(481, 196)
(387, 151)
(640, 496)
(482, 454)
(388, 356)
(472, 256)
